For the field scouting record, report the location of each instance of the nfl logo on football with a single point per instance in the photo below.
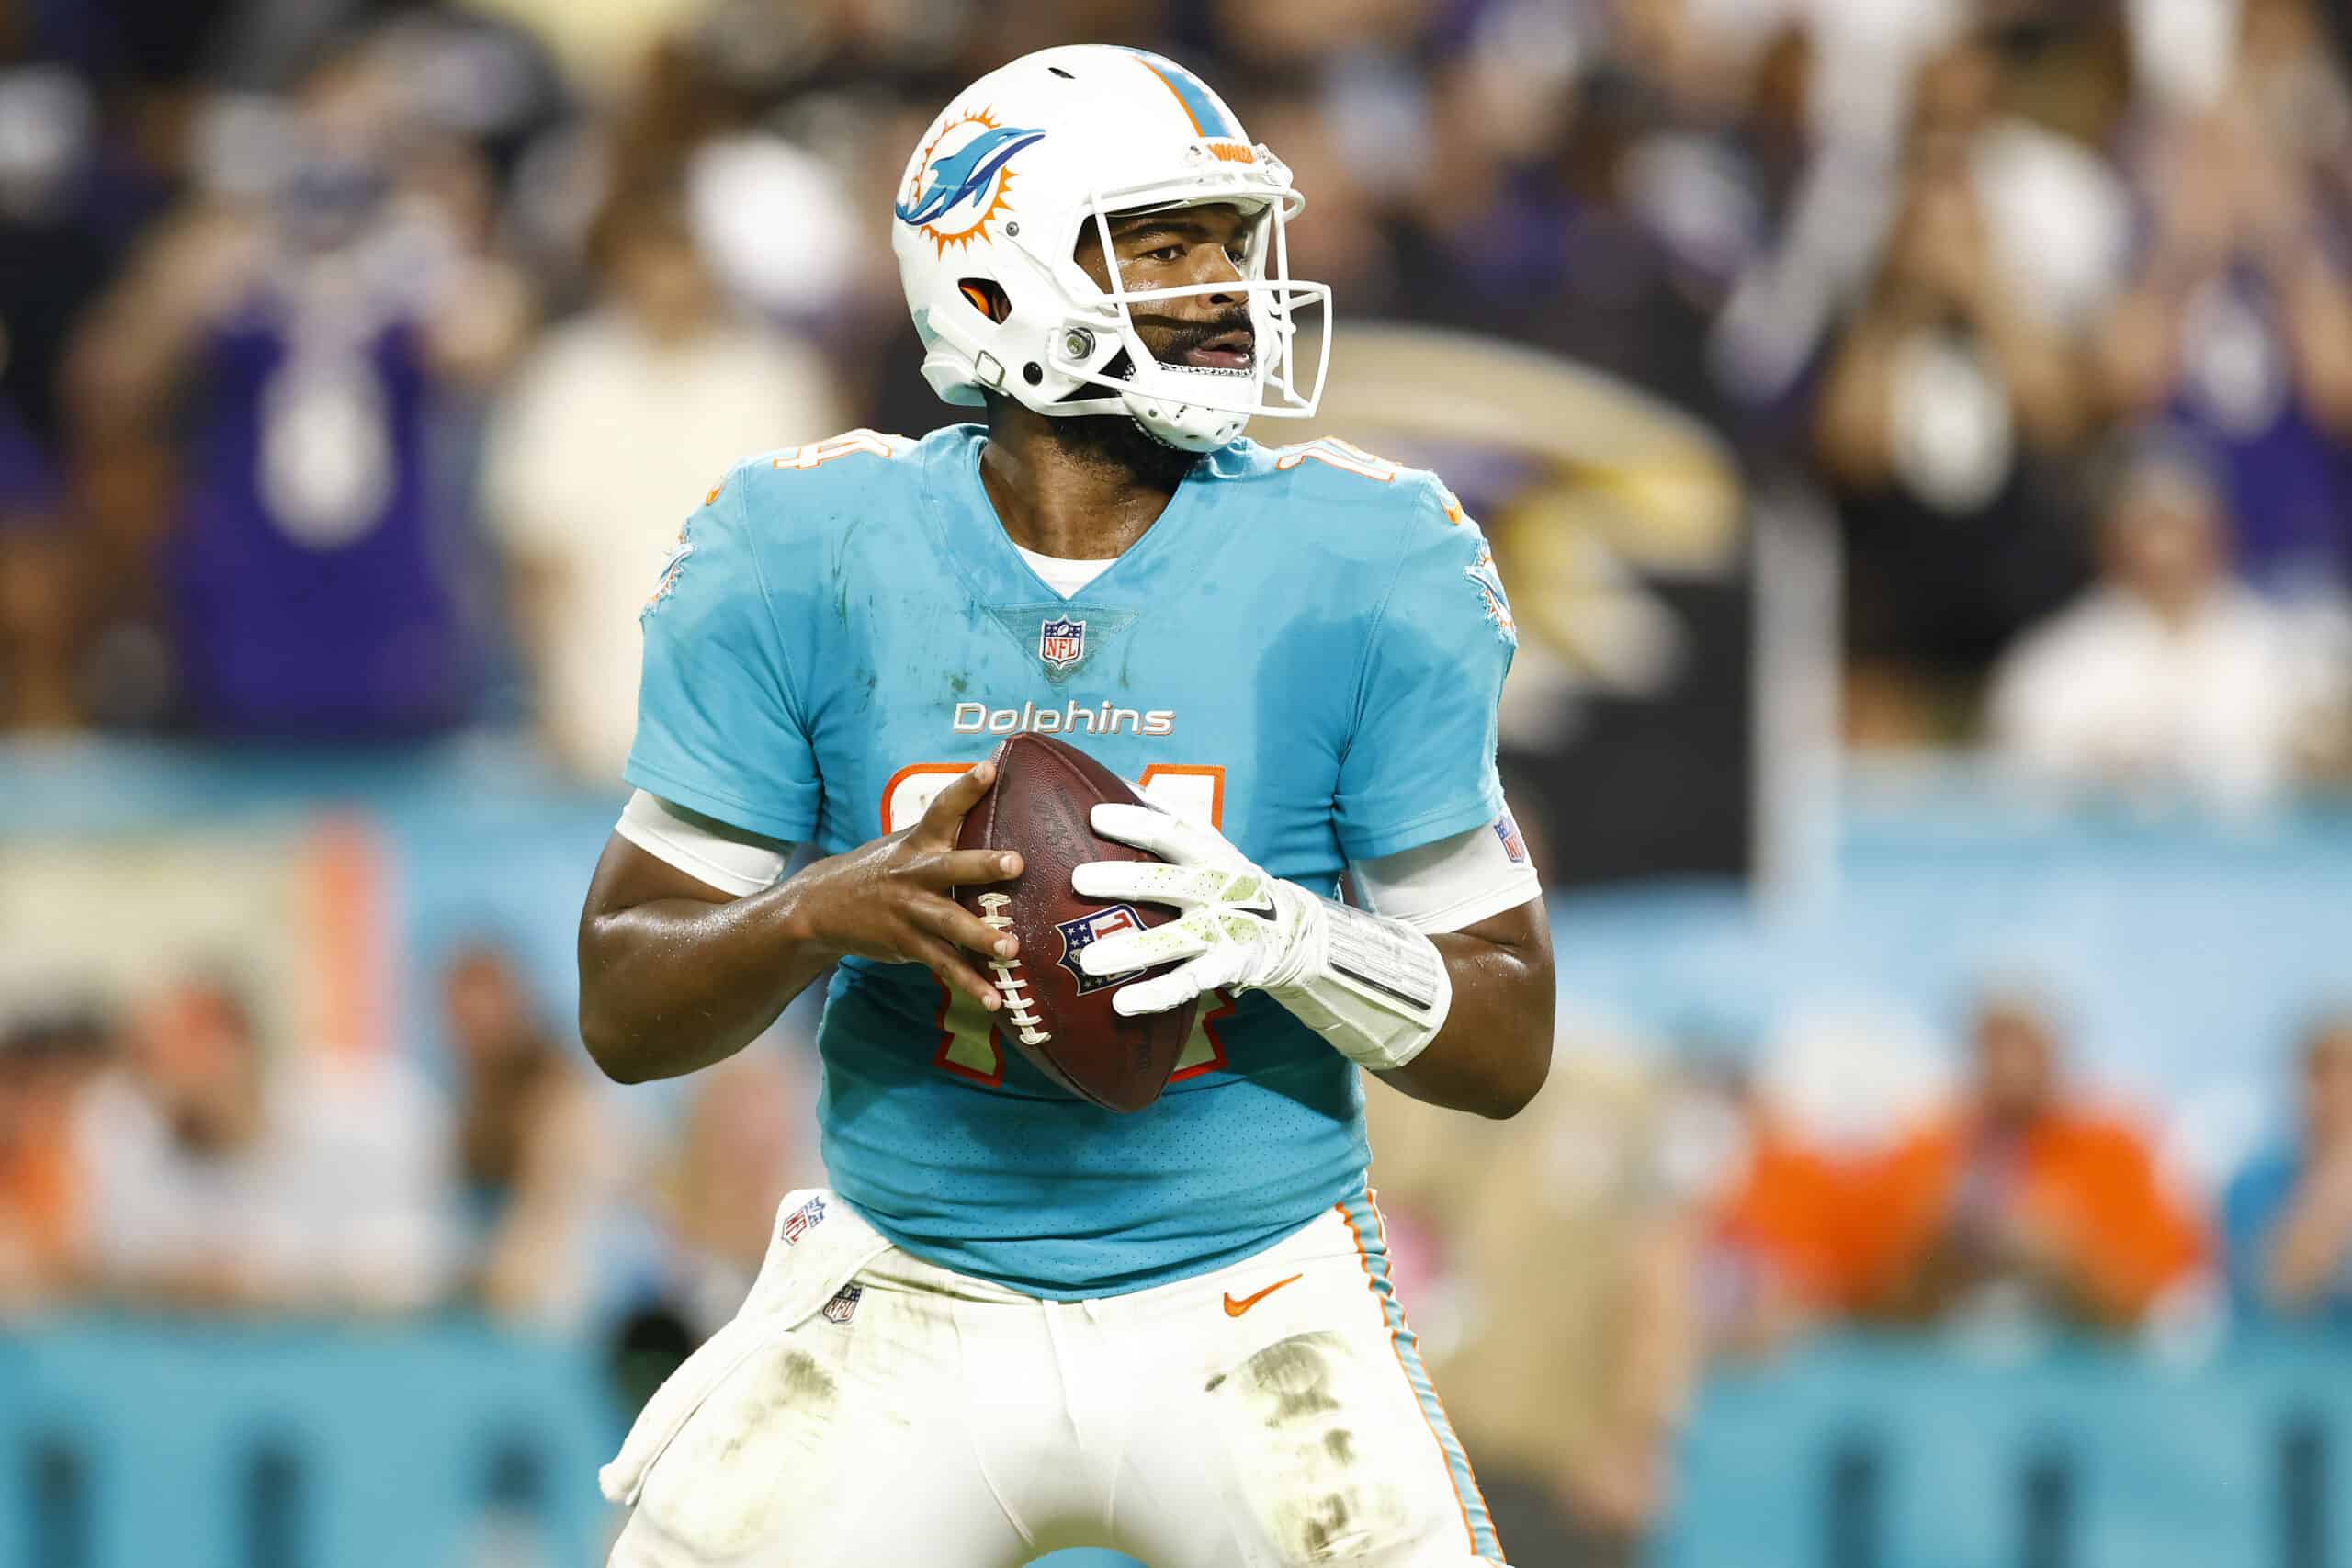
(1061, 643)
(1082, 933)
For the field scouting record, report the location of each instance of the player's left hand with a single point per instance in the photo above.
(1240, 930)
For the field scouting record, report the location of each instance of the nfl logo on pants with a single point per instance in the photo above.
(1061, 643)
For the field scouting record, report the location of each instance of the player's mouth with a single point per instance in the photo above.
(1226, 351)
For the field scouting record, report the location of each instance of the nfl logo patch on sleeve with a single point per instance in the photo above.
(1061, 643)
(1513, 845)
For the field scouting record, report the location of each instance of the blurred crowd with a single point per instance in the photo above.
(359, 357)
(1574, 1271)
(172, 1155)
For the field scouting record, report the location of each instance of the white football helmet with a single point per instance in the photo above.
(990, 211)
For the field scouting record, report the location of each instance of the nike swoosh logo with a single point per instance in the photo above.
(1235, 1309)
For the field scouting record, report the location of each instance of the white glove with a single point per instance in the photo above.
(1236, 926)
(1375, 989)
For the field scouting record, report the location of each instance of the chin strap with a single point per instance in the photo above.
(1171, 410)
(1155, 435)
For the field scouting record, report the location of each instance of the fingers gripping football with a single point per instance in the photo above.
(1377, 989)
(1185, 887)
(1172, 837)
(890, 900)
(1237, 930)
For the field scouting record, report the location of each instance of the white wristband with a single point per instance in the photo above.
(1375, 989)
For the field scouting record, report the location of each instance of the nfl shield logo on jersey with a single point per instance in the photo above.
(1061, 643)
(1076, 933)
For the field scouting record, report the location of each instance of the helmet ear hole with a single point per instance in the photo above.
(984, 296)
(1119, 367)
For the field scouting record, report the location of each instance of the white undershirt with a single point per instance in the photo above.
(1065, 577)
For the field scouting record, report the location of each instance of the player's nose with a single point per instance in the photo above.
(1213, 266)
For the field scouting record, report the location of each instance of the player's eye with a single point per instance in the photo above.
(1164, 254)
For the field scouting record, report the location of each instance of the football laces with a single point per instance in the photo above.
(1009, 980)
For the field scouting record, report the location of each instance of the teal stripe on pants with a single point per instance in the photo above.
(1365, 1220)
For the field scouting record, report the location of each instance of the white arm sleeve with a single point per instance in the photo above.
(738, 863)
(1453, 882)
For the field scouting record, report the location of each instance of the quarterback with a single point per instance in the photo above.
(1015, 1322)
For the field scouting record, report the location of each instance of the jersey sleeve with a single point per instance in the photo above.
(1450, 883)
(718, 730)
(1420, 764)
(711, 853)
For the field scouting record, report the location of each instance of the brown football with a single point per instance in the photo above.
(1054, 1014)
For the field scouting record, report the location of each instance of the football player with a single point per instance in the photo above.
(1017, 1322)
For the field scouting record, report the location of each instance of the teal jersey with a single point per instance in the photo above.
(1306, 649)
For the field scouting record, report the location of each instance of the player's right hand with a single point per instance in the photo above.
(890, 900)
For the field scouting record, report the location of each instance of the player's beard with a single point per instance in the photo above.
(1114, 443)
(1109, 444)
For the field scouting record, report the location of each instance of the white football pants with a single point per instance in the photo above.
(868, 1410)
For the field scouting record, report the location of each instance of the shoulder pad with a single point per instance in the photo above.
(819, 473)
(850, 443)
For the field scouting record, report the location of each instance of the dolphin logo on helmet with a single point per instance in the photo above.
(967, 174)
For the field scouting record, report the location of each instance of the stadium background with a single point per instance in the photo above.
(1916, 438)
